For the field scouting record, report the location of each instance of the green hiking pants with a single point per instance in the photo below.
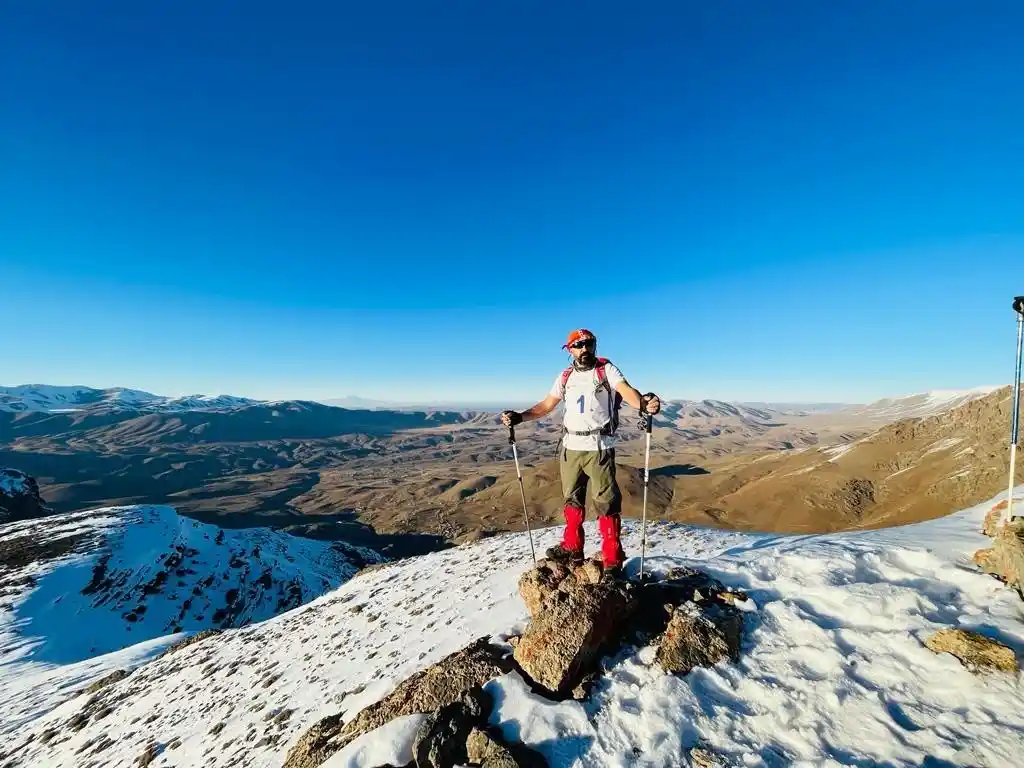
(580, 469)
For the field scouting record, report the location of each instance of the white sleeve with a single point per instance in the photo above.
(614, 375)
(558, 389)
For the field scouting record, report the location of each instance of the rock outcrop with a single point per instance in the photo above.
(487, 749)
(19, 497)
(990, 526)
(975, 651)
(428, 691)
(1005, 558)
(574, 622)
(578, 616)
(692, 618)
(700, 636)
(442, 739)
(549, 576)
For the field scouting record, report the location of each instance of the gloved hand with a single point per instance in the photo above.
(650, 403)
(511, 418)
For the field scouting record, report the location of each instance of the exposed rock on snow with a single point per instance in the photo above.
(441, 739)
(549, 576)
(702, 758)
(437, 686)
(990, 527)
(1005, 558)
(974, 650)
(574, 626)
(700, 636)
(19, 497)
(103, 682)
(487, 749)
(577, 617)
(191, 640)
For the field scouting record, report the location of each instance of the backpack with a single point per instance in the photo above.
(614, 398)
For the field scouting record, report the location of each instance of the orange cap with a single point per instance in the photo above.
(577, 335)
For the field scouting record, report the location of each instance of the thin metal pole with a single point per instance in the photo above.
(1018, 305)
(522, 491)
(648, 426)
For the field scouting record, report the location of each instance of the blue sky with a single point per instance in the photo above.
(785, 201)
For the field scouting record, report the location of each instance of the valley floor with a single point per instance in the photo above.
(833, 670)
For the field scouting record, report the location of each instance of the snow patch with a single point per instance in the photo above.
(922, 404)
(391, 744)
(836, 452)
(943, 445)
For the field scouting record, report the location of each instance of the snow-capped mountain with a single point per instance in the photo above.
(833, 669)
(46, 398)
(77, 587)
(918, 405)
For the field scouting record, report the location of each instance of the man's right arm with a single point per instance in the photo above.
(538, 411)
(541, 409)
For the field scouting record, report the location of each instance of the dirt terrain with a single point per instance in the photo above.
(405, 483)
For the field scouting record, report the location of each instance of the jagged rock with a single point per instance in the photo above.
(590, 572)
(572, 628)
(658, 599)
(550, 576)
(435, 687)
(441, 740)
(537, 584)
(973, 650)
(19, 497)
(703, 758)
(190, 640)
(990, 527)
(488, 749)
(1005, 558)
(700, 636)
(583, 688)
(103, 682)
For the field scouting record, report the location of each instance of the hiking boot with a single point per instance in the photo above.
(612, 573)
(560, 554)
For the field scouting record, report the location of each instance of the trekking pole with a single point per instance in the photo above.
(1018, 307)
(522, 491)
(647, 424)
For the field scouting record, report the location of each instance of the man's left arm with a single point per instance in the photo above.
(652, 404)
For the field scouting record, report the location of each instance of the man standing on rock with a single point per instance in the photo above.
(592, 390)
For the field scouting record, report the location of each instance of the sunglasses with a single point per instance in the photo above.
(582, 344)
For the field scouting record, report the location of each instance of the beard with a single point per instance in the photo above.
(587, 359)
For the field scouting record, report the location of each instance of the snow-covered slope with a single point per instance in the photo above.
(919, 405)
(46, 398)
(76, 587)
(13, 482)
(833, 670)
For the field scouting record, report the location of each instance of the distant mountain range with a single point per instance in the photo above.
(47, 398)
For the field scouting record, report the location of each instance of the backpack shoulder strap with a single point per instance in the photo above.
(565, 379)
(599, 369)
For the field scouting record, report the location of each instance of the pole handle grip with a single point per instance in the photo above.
(511, 435)
(1018, 305)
